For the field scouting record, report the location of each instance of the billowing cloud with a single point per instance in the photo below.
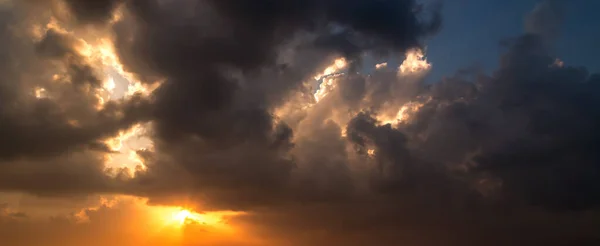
(214, 112)
(53, 114)
(270, 109)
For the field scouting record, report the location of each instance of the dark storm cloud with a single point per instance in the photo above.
(212, 114)
(389, 144)
(92, 11)
(508, 158)
(244, 38)
(390, 22)
(95, 12)
(61, 46)
(53, 144)
(531, 124)
(75, 174)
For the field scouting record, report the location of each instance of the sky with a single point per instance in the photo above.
(299, 122)
(473, 31)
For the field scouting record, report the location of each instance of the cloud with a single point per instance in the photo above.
(92, 11)
(52, 128)
(213, 114)
(546, 19)
(530, 124)
(234, 122)
(441, 172)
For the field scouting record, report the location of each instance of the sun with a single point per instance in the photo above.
(182, 216)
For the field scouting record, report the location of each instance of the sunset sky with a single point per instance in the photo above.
(299, 122)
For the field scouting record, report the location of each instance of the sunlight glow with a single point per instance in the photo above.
(558, 63)
(381, 65)
(371, 152)
(328, 75)
(116, 143)
(177, 216)
(403, 114)
(181, 216)
(338, 64)
(415, 62)
(40, 92)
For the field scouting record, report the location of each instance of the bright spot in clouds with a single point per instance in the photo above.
(415, 62)
(181, 216)
(40, 92)
(177, 216)
(328, 76)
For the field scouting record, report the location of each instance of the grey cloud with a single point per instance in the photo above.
(546, 19)
(531, 123)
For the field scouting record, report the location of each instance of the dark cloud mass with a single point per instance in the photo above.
(508, 158)
(223, 80)
(200, 95)
(62, 122)
(92, 11)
